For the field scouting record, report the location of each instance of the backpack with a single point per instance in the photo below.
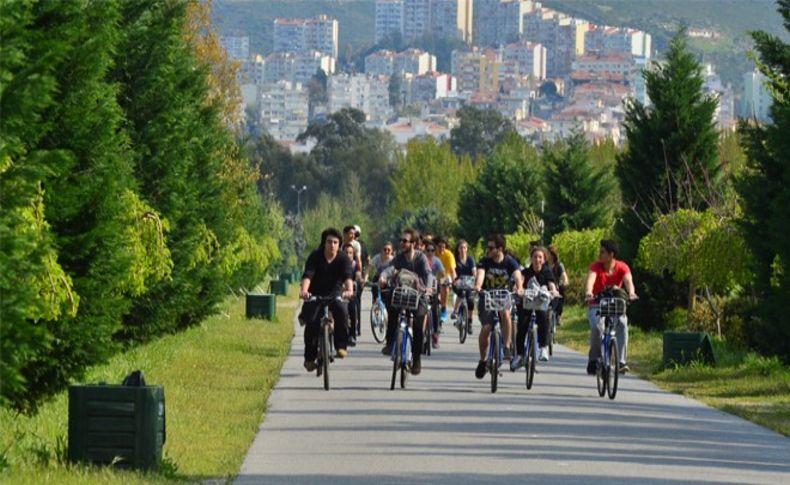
(135, 379)
(409, 279)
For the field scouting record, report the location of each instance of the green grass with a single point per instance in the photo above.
(217, 378)
(745, 384)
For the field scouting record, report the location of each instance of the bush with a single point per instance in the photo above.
(578, 249)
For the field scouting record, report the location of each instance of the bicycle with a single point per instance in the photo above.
(535, 299)
(405, 300)
(466, 286)
(433, 319)
(552, 329)
(496, 301)
(606, 372)
(378, 314)
(325, 346)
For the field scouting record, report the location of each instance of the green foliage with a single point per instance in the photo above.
(579, 249)
(330, 211)
(765, 191)
(394, 88)
(671, 157)
(479, 132)
(579, 193)
(508, 189)
(429, 175)
(424, 219)
(519, 243)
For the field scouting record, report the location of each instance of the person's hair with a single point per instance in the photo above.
(413, 233)
(349, 228)
(554, 255)
(610, 247)
(498, 240)
(330, 232)
(346, 246)
(542, 250)
(439, 240)
(387, 244)
(458, 246)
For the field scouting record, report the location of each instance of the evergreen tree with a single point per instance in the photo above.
(765, 191)
(671, 157)
(394, 88)
(506, 192)
(479, 132)
(578, 194)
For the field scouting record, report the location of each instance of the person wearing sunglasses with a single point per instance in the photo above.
(438, 269)
(495, 272)
(379, 263)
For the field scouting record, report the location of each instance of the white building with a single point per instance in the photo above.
(284, 109)
(369, 94)
(498, 22)
(297, 67)
(561, 35)
(319, 33)
(431, 86)
(756, 100)
(476, 70)
(238, 46)
(389, 18)
(530, 58)
(602, 40)
(253, 70)
(452, 19)
(410, 61)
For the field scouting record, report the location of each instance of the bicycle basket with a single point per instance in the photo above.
(405, 298)
(537, 299)
(611, 307)
(466, 283)
(496, 300)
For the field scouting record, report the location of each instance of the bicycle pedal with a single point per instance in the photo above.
(331, 360)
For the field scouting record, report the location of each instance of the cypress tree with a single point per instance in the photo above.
(671, 156)
(579, 194)
(765, 192)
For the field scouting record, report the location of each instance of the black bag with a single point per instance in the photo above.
(135, 379)
(614, 292)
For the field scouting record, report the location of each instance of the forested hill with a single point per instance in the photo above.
(732, 18)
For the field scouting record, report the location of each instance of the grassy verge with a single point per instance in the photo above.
(745, 384)
(217, 379)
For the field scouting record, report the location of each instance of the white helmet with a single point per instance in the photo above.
(358, 230)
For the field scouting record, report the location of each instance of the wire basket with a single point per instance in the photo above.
(405, 298)
(466, 283)
(536, 299)
(611, 307)
(496, 300)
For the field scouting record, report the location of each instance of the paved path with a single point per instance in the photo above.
(448, 428)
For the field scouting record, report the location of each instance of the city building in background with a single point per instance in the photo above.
(284, 109)
(756, 100)
(412, 19)
(369, 94)
(237, 45)
(410, 61)
(320, 33)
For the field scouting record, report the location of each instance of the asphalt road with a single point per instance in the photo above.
(448, 428)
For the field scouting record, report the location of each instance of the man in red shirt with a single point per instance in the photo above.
(607, 271)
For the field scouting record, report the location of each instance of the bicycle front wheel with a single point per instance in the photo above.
(553, 330)
(462, 322)
(613, 376)
(529, 357)
(396, 356)
(495, 360)
(378, 322)
(325, 354)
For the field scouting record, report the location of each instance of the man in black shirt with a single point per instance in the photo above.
(327, 272)
(416, 262)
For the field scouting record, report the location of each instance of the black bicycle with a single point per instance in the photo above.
(463, 320)
(406, 300)
(325, 346)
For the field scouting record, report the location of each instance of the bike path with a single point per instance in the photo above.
(447, 427)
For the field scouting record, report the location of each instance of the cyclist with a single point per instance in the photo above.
(608, 271)
(494, 272)
(353, 304)
(540, 271)
(414, 262)
(349, 237)
(465, 267)
(327, 272)
(562, 281)
(379, 263)
(439, 272)
(448, 260)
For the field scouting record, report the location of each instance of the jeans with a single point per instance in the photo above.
(542, 323)
(597, 329)
(312, 330)
(417, 317)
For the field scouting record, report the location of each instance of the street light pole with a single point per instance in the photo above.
(298, 191)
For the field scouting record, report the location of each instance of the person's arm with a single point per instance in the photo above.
(386, 275)
(481, 275)
(307, 276)
(348, 289)
(588, 286)
(423, 270)
(564, 279)
(628, 281)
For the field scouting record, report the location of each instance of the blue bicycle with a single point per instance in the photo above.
(378, 314)
(606, 375)
(535, 299)
(496, 301)
(406, 300)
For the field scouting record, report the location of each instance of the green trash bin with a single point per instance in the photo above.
(297, 276)
(287, 277)
(683, 347)
(261, 305)
(119, 425)
(279, 287)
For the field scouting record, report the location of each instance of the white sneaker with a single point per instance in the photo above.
(544, 354)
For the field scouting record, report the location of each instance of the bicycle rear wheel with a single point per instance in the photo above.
(552, 330)
(325, 354)
(613, 376)
(428, 339)
(462, 322)
(378, 319)
(495, 360)
(396, 356)
(529, 358)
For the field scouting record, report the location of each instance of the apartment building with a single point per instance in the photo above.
(389, 19)
(415, 18)
(297, 67)
(498, 22)
(320, 33)
(369, 94)
(411, 61)
(561, 35)
(529, 58)
(237, 46)
(602, 39)
(476, 69)
(756, 101)
(432, 86)
(284, 109)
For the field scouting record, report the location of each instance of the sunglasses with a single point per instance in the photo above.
(491, 248)
(405, 240)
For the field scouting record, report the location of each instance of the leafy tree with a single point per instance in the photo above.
(507, 190)
(671, 147)
(580, 193)
(765, 189)
(423, 219)
(578, 249)
(479, 132)
(394, 87)
(429, 175)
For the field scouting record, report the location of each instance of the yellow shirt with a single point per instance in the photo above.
(448, 261)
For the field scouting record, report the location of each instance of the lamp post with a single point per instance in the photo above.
(298, 191)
